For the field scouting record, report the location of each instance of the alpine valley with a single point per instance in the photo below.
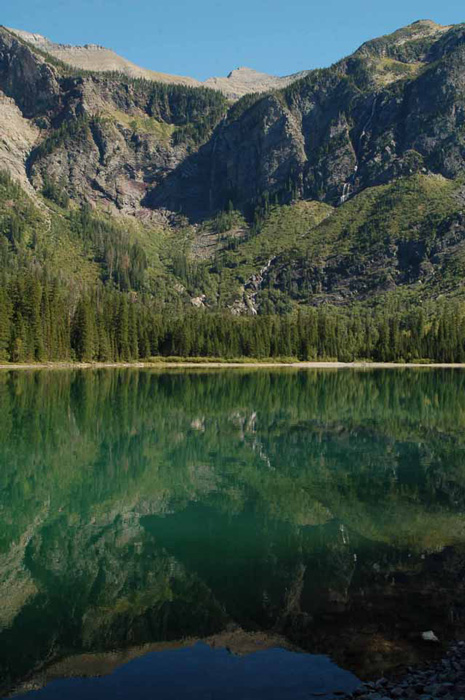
(314, 215)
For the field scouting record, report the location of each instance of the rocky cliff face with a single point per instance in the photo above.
(102, 138)
(393, 110)
(99, 59)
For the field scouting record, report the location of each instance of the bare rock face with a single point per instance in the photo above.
(27, 77)
(395, 107)
(260, 151)
(243, 81)
(17, 137)
(103, 158)
(95, 58)
(107, 163)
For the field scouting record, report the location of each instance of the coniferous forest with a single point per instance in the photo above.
(52, 314)
(42, 321)
(319, 220)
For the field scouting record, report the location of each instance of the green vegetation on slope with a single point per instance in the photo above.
(77, 285)
(408, 209)
(79, 247)
(41, 321)
(406, 237)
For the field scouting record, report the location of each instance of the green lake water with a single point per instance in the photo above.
(199, 533)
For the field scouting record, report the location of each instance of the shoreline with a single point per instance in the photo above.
(444, 678)
(215, 364)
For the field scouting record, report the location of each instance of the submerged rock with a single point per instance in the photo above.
(443, 679)
(429, 636)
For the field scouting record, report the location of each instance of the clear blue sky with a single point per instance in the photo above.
(201, 38)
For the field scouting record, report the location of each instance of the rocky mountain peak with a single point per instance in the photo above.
(37, 40)
(245, 73)
(421, 28)
(427, 24)
(97, 58)
(404, 44)
(243, 80)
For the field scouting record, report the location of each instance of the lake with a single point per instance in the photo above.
(227, 533)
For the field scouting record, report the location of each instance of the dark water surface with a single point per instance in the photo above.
(156, 528)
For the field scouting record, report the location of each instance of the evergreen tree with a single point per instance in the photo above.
(123, 345)
(5, 326)
(84, 331)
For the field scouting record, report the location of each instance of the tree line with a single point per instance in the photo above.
(42, 320)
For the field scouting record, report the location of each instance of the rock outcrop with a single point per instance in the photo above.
(395, 107)
(172, 152)
(95, 58)
(392, 109)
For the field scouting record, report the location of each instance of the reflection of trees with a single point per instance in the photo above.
(306, 446)
(306, 486)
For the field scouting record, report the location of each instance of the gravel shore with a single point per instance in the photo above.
(444, 679)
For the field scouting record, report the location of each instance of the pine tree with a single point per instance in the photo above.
(133, 334)
(19, 351)
(124, 352)
(84, 331)
(5, 326)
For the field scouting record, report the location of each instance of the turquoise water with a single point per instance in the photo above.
(152, 523)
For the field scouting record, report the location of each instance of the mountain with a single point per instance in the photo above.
(392, 109)
(244, 81)
(341, 187)
(95, 58)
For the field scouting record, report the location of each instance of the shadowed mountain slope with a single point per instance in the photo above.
(343, 186)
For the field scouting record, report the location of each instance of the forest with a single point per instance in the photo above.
(42, 320)
(82, 292)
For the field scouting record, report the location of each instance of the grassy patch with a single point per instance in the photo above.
(410, 209)
(388, 70)
(223, 360)
(142, 124)
(282, 229)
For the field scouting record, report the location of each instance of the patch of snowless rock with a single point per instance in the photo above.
(243, 81)
(94, 57)
(444, 679)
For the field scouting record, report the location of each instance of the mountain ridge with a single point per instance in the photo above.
(94, 57)
(343, 188)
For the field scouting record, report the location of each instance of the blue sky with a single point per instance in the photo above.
(201, 38)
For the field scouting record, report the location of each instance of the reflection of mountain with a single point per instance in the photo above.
(202, 671)
(140, 507)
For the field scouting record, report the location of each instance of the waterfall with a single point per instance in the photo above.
(345, 537)
(345, 193)
(347, 187)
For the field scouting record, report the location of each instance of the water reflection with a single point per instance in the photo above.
(201, 672)
(141, 507)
